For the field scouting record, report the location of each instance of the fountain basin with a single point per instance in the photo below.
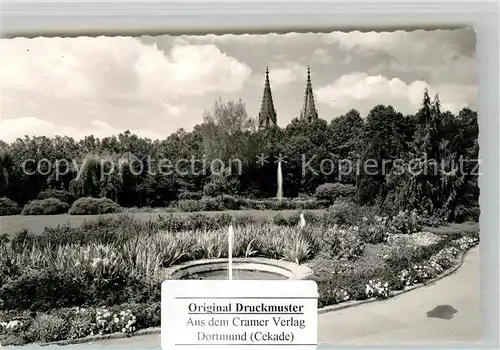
(243, 269)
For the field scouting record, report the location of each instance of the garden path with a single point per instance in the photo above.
(447, 311)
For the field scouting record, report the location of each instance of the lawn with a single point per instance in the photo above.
(103, 276)
(37, 223)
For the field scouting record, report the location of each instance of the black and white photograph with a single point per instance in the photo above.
(349, 158)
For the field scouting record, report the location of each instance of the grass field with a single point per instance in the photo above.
(36, 224)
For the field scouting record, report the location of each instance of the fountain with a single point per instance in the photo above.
(238, 268)
(302, 222)
(279, 195)
(230, 235)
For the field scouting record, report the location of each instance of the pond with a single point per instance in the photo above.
(237, 275)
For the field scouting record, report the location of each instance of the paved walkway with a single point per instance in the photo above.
(401, 319)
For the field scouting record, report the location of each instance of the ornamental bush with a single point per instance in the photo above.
(8, 207)
(94, 206)
(48, 206)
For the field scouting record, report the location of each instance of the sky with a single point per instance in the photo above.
(153, 86)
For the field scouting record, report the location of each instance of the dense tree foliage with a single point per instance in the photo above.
(226, 154)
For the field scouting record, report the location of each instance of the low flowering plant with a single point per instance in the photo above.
(424, 239)
(343, 243)
(377, 289)
(340, 296)
(466, 242)
(407, 277)
(107, 322)
(406, 222)
(423, 272)
(374, 230)
(436, 267)
(445, 258)
(11, 326)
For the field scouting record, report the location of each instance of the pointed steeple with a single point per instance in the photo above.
(309, 111)
(267, 114)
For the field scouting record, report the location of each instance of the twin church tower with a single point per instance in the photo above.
(267, 114)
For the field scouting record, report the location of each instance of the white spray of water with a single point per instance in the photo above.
(279, 195)
(302, 223)
(230, 234)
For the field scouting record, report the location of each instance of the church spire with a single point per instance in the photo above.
(267, 114)
(309, 112)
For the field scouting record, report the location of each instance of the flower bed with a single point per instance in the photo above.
(77, 322)
(361, 282)
(104, 276)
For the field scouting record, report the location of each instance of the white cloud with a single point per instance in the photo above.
(361, 91)
(321, 56)
(10, 129)
(282, 74)
(250, 39)
(118, 80)
(370, 40)
(226, 38)
(442, 55)
(85, 67)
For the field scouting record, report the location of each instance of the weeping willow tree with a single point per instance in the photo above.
(6, 166)
(131, 170)
(97, 177)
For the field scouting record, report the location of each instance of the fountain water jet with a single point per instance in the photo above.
(230, 234)
(302, 222)
(279, 195)
(243, 268)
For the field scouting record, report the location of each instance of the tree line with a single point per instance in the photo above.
(439, 147)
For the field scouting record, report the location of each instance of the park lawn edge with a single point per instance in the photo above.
(326, 309)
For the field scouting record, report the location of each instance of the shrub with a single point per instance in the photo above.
(63, 196)
(48, 328)
(373, 230)
(406, 222)
(312, 218)
(94, 206)
(190, 195)
(70, 279)
(76, 322)
(202, 222)
(211, 204)
(40, 290)
(233, 203)
(8, 207)
(333, 289)
(348, 214)
(310, 204)
(281, 220)
(433, 221)
(342, 244)
(243, 220)
(228, 202)
(190, 205)
(49, 206)
(463, 213)
(333, 191)
(297, 249)
(82, 323)
(213, 188)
